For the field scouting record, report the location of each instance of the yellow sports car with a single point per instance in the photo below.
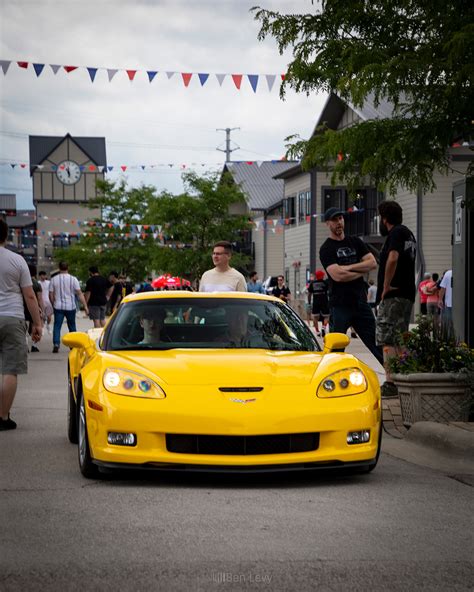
(230, 381)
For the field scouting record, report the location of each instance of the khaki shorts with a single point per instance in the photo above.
(393, 319)
(13, 347)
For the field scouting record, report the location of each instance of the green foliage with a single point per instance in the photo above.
(419, 56)
(432, 347)
(190, 224)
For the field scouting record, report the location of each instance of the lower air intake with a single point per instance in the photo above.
(241, 445)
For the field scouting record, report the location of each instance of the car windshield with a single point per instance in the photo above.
(159, 324)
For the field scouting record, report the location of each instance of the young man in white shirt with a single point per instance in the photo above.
(223, 278)
(445, 298)
(63, 290)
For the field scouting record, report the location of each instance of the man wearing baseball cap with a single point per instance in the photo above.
(347, 260)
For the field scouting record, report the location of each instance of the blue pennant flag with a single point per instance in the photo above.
(92, 73)
(253, 79)
(38, 68)
(110, 168)
(151, 74)
(143, 167)
(203, 78)
(82, 167)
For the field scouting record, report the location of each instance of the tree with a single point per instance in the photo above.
(416, 54)
(140, 231)
(118, 240)
(197, 219)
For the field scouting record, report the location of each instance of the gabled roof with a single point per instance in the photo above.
(258, 183)
(42, 146)
(334, 109)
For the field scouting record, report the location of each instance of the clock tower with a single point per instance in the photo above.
(64, 171)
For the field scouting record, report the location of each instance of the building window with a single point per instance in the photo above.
(289, 213)
(334, 198)
(301, 206)
(308, 203)
(64, 241)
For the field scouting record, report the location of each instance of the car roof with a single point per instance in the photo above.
(184, 295)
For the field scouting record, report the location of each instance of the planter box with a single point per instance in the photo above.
(432, 397)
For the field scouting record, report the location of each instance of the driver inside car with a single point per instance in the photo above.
(152, 322)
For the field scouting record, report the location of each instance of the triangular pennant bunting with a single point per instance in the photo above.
(203, 78)
(55, 68)
(170, 74)
(70, 68)
(186, 78)
(38, 68)
(111, 73)
(237, 78)
(270, 81)
(220, 78)
(23, 65)
(92, 73)
(131, 74)
(151, 74)
(5, 64)
(253, 79)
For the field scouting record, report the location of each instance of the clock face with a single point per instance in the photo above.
(68, 172)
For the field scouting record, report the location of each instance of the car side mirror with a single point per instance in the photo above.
(335, 342)
(80, 340)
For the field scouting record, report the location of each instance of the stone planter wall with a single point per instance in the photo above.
(432, 397)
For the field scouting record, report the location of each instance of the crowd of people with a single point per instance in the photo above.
(339, 297)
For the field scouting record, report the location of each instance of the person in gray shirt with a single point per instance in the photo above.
(15, 284)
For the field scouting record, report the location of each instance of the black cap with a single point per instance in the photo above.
(331, 213)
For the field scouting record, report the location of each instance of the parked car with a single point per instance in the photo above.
(226, 381)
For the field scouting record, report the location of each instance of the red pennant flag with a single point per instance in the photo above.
(186, 78)
(70, 68)
(23, 166)
(23, 64)
(237, 78)
(91, 167)
(249, 161)
(123, 167)
(283, 76)
(131, 74)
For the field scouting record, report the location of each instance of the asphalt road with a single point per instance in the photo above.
(403, 527)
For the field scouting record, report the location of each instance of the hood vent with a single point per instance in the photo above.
(240, 389)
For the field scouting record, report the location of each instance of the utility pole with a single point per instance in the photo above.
(228, 149)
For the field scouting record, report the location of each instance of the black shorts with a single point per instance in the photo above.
(320, 307)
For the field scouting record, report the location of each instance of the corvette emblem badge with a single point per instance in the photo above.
(243, 400)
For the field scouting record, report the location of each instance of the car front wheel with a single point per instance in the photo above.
(86, 466)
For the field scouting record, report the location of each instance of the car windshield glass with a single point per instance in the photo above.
(159, 324)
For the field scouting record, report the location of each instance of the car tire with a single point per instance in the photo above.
(86, 466)
(370, 468)
(71, 412)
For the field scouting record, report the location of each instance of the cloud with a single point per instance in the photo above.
(161, 122)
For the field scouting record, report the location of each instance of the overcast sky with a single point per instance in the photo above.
(157, 123)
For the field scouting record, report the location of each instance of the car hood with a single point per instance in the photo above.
(251, 368)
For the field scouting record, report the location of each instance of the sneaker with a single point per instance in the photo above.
(7, 424)
(34, 348)
(389, 390)
(55, 349)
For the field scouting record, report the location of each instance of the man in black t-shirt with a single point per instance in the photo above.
(281, 291)
(346, 260)
(396, 287)
(95, 294)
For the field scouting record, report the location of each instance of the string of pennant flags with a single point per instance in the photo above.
(112, 73)
(18, 165)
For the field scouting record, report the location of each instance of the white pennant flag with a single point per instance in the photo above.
(111, 73)
(270, 81)
(170, 74)
(220, 78)
(259, 163)
(101, 168)
(55, 68)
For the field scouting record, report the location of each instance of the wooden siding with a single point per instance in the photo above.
(297, 251)
(257, 239)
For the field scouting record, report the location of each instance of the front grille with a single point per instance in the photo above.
(241, 445)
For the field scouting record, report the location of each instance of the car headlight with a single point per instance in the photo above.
(350, 381)
(132, 384)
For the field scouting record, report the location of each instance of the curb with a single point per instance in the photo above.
(443, 437)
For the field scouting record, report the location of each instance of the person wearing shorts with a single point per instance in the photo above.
(396, 288)
(97, 289)
(15, 284)
(318, 291)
